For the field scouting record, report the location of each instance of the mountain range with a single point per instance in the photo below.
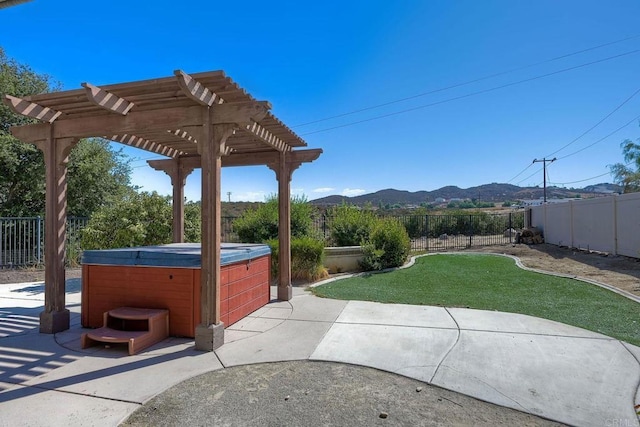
(494, 192)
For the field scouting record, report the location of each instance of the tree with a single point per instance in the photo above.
(192, 221)
(261, 224)
(19, 80)
(22, 181)
(21, 165)
(137, 219)
(97, 175)
(96, 172)
(628, 175)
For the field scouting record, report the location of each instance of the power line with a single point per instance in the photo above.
(601, 139)
(586, 132)
(535, 173)
(520, 173)
(384, 104)
(144, 166)
(145, 159)
(597, 124)
(587, 179)
(578, 151)
(581, 180)
(473, 93)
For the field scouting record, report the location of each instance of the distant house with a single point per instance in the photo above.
(539, 202)
(529, 203)
(440, 200)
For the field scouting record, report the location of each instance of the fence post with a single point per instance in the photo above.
(39, 244)
(510, 228)
(324, 226)
(470, 229)
(614, 205)
(427, 232)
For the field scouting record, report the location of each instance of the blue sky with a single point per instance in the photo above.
(317, 60)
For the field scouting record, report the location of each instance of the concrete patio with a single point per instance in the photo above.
(533, 365)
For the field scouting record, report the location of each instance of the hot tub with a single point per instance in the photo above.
(168, 277)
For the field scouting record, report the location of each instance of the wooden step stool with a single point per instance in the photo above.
(138, 327)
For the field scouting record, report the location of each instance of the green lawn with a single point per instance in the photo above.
(491, 282)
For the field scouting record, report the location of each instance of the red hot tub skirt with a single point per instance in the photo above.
(128, 278)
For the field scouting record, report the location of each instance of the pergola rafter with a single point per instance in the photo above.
(106, 100)
(202, 120)
(267, 137)
(199, 93)
(31, 109)
(196, 90)
(144, 144)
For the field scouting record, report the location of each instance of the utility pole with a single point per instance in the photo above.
(544, 172)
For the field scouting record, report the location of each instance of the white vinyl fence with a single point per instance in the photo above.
(606, 224)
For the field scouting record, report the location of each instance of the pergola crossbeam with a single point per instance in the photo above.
(107, 100)
(31, 109)
(255, 159)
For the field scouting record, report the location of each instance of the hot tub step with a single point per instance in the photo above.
(137, 327)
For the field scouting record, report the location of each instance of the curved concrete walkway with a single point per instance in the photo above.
(534, 365)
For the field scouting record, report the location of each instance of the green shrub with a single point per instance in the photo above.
(372, 257)
(192, 222)
(258, 225)
(73, 251)
(415, 225)
(350, 225)
(307, 259)
(275, 250)
(138, 219)
(388, 246)
(261, 224)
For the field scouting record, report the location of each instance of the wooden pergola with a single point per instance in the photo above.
(202, 120)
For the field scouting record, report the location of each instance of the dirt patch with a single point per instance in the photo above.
(618, 271)
(24, 275)
(318, 394)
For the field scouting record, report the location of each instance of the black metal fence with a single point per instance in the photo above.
(22, 241)
(228, 234)
(449, 232)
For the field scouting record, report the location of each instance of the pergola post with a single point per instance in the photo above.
(55, 317)
(178, 172)
(210, 332)
(284, 170)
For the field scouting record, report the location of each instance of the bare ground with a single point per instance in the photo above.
(24, 275)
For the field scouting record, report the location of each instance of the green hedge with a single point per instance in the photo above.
(307, 259)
